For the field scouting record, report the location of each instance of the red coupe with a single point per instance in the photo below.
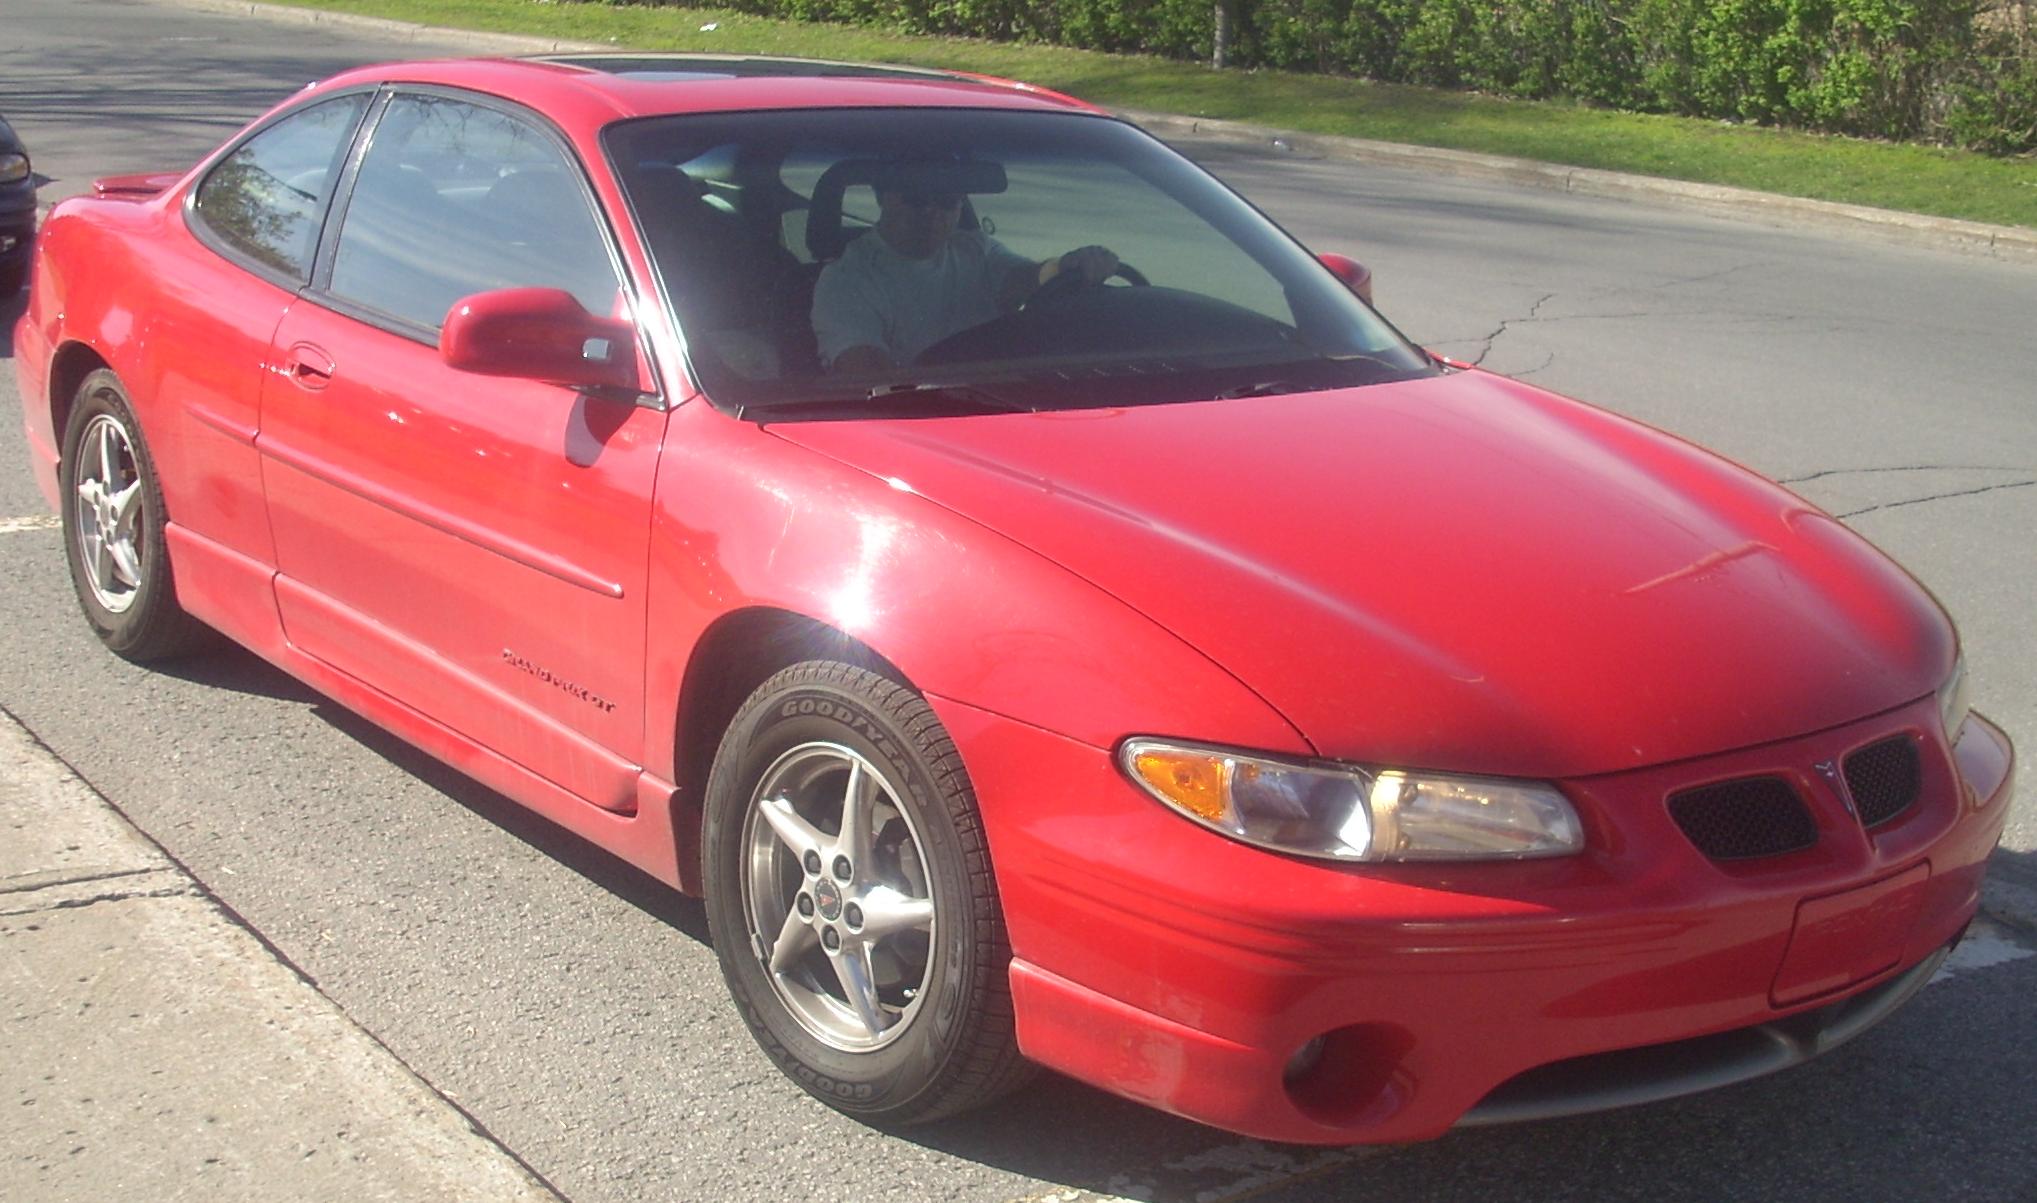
(1043, 609)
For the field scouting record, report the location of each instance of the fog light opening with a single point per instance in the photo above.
(1352, 1074)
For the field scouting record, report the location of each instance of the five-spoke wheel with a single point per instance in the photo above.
(836, 896)
(113, 527)
(851, 900)
(106, 502)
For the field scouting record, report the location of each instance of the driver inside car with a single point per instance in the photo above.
(918, 278)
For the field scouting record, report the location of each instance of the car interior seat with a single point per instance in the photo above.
(726, 278)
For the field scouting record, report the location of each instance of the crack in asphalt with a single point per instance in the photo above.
(1700, 279)
(1534, 314)
(1891, 505)
(1819, 475)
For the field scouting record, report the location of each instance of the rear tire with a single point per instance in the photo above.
(850, 898)
(112, 510)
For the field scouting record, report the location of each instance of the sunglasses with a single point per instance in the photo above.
(933, 200)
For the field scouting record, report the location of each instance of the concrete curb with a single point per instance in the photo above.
(2010, 243)
(156, 1048)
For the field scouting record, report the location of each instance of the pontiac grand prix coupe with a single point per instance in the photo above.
(1179, 679)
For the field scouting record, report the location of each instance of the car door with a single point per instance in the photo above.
(473, 546)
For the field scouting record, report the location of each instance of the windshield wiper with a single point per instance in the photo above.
(896, 396)
(1319, 374)
(976, 395)
(1271, 388)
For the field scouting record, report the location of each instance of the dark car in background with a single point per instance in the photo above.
(17, 210)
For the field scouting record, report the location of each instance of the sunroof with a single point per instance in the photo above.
(681, 67)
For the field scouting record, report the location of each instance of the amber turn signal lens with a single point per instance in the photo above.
(1348, 812)
(1194, 783)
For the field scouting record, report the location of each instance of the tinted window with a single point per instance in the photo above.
(455, 199)
(266, 198)
(1215, 302)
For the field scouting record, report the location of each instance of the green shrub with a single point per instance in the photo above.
(1900, 69)
(1992, 104)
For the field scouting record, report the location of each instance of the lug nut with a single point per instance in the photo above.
(842, 868)
(812, 863)
(831, 939)
(854, 914)
(806, 906)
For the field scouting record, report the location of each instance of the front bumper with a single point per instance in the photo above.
(1167, 964)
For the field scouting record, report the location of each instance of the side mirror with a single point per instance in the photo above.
(1356, 276)
(539, 334)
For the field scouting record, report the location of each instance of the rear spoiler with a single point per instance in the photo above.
(134, 187)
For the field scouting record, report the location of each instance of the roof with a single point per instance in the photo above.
(592, 90)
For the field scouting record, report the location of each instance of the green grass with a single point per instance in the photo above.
(1917, 179)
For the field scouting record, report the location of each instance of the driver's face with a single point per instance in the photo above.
(917, 224)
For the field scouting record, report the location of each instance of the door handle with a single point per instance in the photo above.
(309, 367)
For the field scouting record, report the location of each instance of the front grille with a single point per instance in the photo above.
(1884, 779)
(1743, 819)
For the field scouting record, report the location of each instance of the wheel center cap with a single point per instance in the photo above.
(828, 897)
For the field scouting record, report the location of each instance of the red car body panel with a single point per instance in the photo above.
(1187, 975)
(1381, 614)
(748, 521)
(476, 545)
(1459, 573)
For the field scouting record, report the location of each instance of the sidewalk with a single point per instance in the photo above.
(155, 1050)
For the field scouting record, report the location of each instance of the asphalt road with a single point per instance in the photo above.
(573, 1007)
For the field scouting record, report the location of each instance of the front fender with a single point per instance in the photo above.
(744, 519)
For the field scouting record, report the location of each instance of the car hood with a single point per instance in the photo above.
(1459, 572)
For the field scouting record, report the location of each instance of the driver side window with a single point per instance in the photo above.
(454, 199)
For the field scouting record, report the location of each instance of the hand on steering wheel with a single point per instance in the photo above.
(1084, 267)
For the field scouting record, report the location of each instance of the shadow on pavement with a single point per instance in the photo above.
(11, 309)
(621, 879)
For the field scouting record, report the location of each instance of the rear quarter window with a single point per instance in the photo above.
(266, 199)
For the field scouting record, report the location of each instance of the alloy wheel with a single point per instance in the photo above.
(837, 897)
(107, 504)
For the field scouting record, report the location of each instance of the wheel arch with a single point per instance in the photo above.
(72, 362)
(735, 654)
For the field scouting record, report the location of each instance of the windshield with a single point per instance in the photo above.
(919, 261)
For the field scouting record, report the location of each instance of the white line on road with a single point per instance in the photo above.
(14, 526)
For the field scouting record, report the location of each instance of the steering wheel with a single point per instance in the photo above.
(1067, 284)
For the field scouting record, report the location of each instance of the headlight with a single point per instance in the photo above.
(13, 167)
(1353, 814)
(1952, 703)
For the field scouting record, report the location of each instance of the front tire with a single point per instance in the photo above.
(113, 529)
(850, 898)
